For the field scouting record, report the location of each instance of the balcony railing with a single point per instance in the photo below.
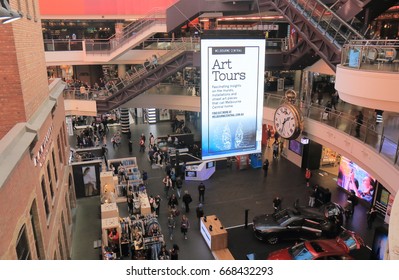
(63, 45)
(128, 33)
(373, 55)
(369, 134)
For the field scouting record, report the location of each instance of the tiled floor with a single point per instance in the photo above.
(229, 192)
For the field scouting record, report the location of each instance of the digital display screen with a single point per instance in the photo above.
(232, 81)
(210, 164)
(191, 173)
(296, 147)
(354, 58)
(353, 178)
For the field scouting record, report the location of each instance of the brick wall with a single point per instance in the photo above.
(22, 70)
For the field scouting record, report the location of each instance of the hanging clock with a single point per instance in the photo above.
(288, 119)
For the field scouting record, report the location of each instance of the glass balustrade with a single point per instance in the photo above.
(369, 135)
(373, 55)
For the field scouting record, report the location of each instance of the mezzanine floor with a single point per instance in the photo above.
(228, 193)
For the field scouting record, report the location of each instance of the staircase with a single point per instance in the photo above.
(129, 37)
(145, 78)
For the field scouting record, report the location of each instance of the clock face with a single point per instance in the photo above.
(287, 121)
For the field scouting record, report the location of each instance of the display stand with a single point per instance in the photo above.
(107, 182)
(201, 172)
(214, 233)
(106, 226)
(145, 207)
(215, 236)
(126, 175)
(109, 210)
(242, 162)
(256, 160)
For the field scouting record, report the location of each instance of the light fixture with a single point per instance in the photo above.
(4, 13)
(12, 14)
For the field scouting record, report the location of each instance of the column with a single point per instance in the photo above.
(121, 71)
(125, 120)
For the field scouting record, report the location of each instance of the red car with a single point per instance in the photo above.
(322, 249)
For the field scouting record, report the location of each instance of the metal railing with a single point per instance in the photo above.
(373, 55)
(63, 45)
(327, 21)
(128, 33)
(176, 48)
(369, 134)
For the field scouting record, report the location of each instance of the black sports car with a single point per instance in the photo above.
(299, 223)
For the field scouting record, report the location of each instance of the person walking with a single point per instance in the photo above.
(130, 144)
(275, 148)
(312, 196)
(269, 136)
(277, 204)
(144, 176)
(352, 201)
(184, 225)
(334, 100)
(173, 202)
(174, 252)
(359, 122)
(187, 200)
(142, 144)
(371, 215)
(201, 192)
(179, 185)
(308, 174)
(167, 182)
(171, 225)
(157, 204)
(265, 167)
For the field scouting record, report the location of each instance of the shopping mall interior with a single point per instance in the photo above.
(83, 84)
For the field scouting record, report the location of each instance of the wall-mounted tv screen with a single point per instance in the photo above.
(296, 147)
(191, 173)
(353, 178)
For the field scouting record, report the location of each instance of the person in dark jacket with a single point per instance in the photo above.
(277, 204)
(174, 252)
(201, 192)
(187, 200)
(265, 167)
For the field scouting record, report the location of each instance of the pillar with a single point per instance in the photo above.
(121, 71)
(125, 120)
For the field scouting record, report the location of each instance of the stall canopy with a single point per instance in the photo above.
(320, 67)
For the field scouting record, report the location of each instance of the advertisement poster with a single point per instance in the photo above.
(353, 178)
(232, 96)
(354, 58)
(389, 209)
(90, 180)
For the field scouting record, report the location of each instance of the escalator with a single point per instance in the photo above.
(322, 29)
(146, 80)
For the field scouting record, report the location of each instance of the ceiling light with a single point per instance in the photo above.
(13, 15)
(4, 13)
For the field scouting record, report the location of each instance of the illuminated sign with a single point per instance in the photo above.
(40, 157)
(232, 77)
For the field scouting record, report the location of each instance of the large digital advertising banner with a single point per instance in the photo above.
(232, 79)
